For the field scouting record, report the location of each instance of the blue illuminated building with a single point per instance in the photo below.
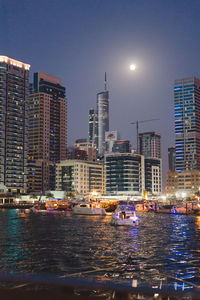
(187, 123)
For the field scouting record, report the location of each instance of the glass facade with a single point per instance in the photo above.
(187, 123)
(132, 174)
(93, 126)
(124, 173)
(103, 120)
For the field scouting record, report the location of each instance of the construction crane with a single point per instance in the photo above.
(137, 125)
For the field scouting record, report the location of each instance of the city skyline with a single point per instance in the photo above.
(154, 35)
(100, 149)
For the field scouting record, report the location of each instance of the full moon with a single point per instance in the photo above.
(132, 67)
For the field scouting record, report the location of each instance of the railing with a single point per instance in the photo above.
(36, 287)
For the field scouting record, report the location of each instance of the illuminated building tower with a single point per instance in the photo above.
(150, 144)
(187, 123)
(47, 131)
(14, 87)
(102, 118)
(93, 126)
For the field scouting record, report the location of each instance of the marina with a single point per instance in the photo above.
(163, 248)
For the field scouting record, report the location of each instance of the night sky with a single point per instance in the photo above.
(78, 40)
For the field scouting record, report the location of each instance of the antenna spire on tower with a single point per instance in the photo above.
(105, 82)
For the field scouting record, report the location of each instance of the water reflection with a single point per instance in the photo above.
(161, 248)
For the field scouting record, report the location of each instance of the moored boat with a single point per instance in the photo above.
(87, 208)
(125, 216)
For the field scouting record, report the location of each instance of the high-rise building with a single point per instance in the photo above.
(187, 123)
(131, 173)
(47, 131)
(150, 144)
(14, 86)
(102, 118)
(172, 158)
(82, 177)
(124, 173)
(93, 126)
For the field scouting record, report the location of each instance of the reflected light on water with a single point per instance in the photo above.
(198, 222)
(162, 247)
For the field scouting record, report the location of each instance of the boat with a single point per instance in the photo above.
(125, 215)
(57, 204)
(87, 208)
(21, 213)
(109, 205)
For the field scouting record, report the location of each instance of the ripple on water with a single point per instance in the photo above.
(161, 247)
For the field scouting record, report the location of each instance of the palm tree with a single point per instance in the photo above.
(33, 196)
(49, 195)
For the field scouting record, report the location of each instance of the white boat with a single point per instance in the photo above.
(125, 216)
(88, 209)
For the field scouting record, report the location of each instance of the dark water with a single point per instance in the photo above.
(160, 248)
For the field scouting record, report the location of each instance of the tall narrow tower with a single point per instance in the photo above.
(187, 123)
(14, 85)
(102, 117)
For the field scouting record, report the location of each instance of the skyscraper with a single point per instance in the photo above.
(187, 123)
(150, 144)
(14, 87)
(93, 126)
(102, 118)
(47, 131)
